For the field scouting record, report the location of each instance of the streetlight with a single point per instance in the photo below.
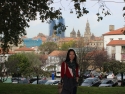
(18, 69)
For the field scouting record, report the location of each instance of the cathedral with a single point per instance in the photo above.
(89, 38)
(74, 35)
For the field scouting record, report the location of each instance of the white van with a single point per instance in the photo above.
(58, 73)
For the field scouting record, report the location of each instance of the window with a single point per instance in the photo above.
(111, 38)
(123, 49)
(113, 56)
(120, 38)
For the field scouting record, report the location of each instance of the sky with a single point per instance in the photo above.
(97, 28)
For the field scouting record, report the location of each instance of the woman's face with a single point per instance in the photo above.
(71, 55)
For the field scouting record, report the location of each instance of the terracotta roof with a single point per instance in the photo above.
(116, 42)
(94, 53)
(24, 49)
(11, 52)
(58, 53)
(115, 32)
(44, 57)
(68, 39)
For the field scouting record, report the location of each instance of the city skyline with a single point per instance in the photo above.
(71, 20)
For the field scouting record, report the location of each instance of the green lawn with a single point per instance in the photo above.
(43, 89)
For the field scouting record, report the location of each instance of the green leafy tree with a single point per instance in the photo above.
(17, 63)
(26, 64)
(116, 67)
(67, 45)
(35, 65)
(48, 46)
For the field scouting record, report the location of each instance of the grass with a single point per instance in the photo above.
(44, 89)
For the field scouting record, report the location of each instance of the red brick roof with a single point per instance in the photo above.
(24, 49)
(115, 32)
(116, 42)
(44, 57)
(58, 53)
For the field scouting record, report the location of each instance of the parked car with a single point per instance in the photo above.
(52, 82)
(24, 81)
(20, 80)
(107, 83)
(118, 76)
(40, 82)
(87, 74)
(96, 74)
(91, 82)
(16, 79)
(110, 75)
(34, 79)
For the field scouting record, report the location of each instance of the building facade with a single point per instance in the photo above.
(29, 42)
(114, 43)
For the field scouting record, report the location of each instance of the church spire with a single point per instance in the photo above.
(87, 33)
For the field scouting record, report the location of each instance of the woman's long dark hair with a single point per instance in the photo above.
(68, 59)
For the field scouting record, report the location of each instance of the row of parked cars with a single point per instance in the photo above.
(33, 80)
(92, 78)
(95, 81)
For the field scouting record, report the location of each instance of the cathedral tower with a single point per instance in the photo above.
(87, 34)
(73, 33)
(78, 34)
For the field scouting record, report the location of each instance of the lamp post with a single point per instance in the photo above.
(18, 69)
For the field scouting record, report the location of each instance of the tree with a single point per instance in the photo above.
(15, 16)
(26, 64)
(67, 45)
(35, 65)
(84, 56)
(17, 64)
(99, 57)
(48, 47)
(116, 67)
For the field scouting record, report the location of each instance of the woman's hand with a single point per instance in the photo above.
(77, 79)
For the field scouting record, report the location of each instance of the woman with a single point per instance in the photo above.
(69, 73)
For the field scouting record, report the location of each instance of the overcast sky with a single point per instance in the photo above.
(71, 20)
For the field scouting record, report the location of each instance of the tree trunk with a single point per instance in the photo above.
(37, 79)
(121, 78)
